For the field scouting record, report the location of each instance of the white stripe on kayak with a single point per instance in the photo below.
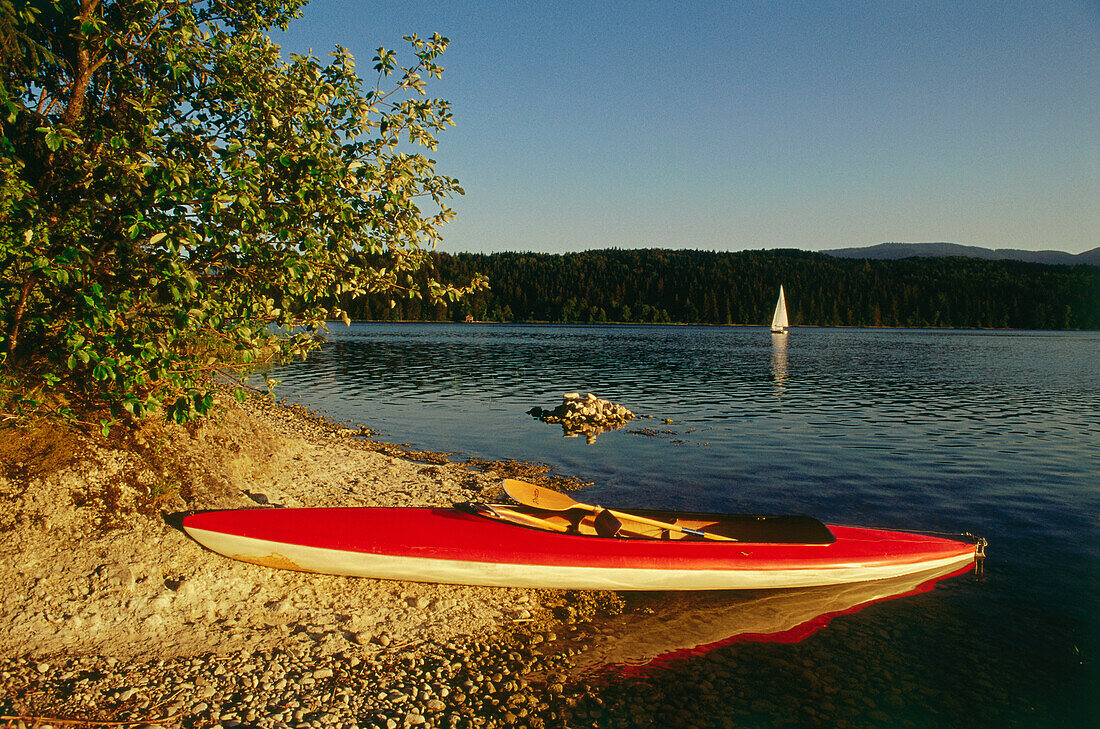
(502, 574)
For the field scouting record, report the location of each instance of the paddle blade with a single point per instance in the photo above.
(529, 494)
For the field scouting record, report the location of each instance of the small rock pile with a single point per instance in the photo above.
(586, 415)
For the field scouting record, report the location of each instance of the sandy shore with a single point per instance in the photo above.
(101, 594)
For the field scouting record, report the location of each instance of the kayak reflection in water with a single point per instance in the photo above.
(661, 628)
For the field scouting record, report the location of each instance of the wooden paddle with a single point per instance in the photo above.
(529, 494)
(505, 514)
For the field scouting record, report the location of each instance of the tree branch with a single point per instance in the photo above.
(17, 317)
(85, 69)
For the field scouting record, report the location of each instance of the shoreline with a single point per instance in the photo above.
(116, 615)
(710, 325)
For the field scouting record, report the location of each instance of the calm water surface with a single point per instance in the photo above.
(996, 433)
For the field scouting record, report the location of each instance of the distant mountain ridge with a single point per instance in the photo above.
(895, 251)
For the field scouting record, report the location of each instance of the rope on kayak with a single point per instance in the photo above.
(980, 543)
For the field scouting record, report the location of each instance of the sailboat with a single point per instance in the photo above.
(779, 321)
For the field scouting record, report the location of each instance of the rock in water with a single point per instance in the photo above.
(586, 415)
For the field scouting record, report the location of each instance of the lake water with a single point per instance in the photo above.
(995, 433)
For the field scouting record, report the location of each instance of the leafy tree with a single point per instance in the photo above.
(167, 180)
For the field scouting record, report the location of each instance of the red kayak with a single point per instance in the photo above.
(484, 545)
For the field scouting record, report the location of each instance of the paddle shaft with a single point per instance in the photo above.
(538, 497)
(528, 519)
(621, 516)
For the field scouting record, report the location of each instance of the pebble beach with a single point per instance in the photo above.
(114, 615)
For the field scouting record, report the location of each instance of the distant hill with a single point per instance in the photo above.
(895, 251)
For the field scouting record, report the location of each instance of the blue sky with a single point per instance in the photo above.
(732, 126)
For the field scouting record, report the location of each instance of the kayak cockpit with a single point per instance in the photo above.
(684, 525)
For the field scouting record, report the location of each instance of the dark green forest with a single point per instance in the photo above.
(666, 286)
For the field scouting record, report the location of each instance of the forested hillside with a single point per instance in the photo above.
(741, 288)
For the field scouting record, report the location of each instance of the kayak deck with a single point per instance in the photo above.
(455, 546)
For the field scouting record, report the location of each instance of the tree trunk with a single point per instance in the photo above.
(17, 317)
(82, 70)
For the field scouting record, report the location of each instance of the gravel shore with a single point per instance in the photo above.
(114, 615)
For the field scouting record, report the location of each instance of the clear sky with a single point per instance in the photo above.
(737, 125)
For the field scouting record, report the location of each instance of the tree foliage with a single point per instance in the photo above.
(654, 286)
(167, 180)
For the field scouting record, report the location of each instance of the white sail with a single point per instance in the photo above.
(779, 321)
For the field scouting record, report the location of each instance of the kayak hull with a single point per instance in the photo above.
(450, 546)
